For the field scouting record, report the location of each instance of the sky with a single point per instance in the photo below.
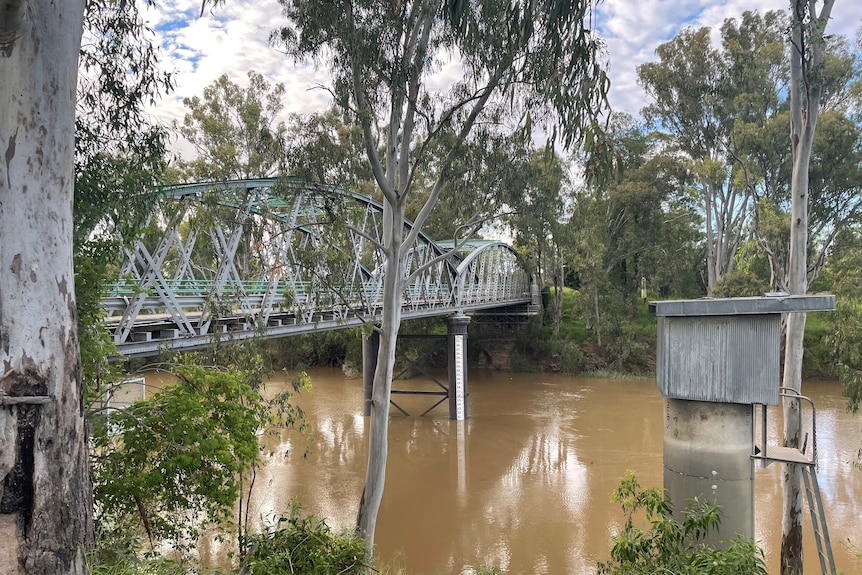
(234, 38)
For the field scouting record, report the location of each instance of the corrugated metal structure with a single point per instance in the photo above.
(725, 350)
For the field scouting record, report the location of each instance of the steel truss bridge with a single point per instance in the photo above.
(277, 257)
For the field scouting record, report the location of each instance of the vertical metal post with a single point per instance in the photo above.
(370, 347)
(457, 356)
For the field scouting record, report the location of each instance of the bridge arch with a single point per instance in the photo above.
(280, 256)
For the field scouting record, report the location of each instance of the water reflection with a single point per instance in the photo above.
(525, 483)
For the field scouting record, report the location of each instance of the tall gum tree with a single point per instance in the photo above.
(45, 493)
(521, 63)
(755, 48)
(806, 46)
(691, 106)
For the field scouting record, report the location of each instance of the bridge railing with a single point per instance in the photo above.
(247, 256)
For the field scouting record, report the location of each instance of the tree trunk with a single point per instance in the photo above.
(378, 433)
(711, 264)
(559, 282)
(791, 524)
(46, 505)
(806, 59)
(598, 319)
(791, 476)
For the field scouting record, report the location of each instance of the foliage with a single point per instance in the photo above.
(538, 195)
(739, 283)
(234, 130)
(118, 150)
(330, 348)
(327, 148)
(844, 277)
(302, 545)
(726, 109)
(630, 350)
(690, 102)
(118, 153)
(638, 231)
(671, 546)
(174, 463)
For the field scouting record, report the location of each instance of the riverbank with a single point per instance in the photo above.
(624, 345)
(618, 345)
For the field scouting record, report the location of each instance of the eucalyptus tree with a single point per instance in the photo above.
(327, 147)
(46, 509)
(483, 177)
(807, 47)
(639, 227)
(119, 157)
(533, 59)
(759, 72)
(236, 134)
(690, 106)
(843, 277)
(235, 131)
(539, 196)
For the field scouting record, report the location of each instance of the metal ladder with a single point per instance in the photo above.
(808, 465)
(818, 520)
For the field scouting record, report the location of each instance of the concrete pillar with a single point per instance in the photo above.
(370, 347)
(535, 294)
(457, 359)
(707, 454)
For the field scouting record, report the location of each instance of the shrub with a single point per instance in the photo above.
(304, 545)
(670, 546)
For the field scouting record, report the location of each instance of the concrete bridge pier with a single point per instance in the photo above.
(707, 454)
(457, 360)
(456, 355)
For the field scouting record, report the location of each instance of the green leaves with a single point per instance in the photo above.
(176, 461)
(119, 154)
(301, 544)
(668, 546)
(235, 130)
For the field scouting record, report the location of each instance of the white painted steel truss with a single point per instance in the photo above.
(275, 257)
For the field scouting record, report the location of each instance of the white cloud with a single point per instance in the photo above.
(234, 39)
(634, 29)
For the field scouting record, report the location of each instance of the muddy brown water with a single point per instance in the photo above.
(525, 483)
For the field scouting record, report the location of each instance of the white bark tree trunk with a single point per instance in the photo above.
(45, 492)
(378, 433)
(806, 58)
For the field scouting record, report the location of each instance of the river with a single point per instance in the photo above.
(525, 482)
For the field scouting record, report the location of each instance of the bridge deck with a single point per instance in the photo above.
(261, 257)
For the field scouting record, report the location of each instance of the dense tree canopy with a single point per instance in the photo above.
(235, 131)
(727, 111)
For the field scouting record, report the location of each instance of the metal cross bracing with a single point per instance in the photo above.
(276, 257)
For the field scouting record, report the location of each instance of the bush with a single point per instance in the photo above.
(304, 545)
(739, 283)
(630, 350)
(670, 546)
(520, 364)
